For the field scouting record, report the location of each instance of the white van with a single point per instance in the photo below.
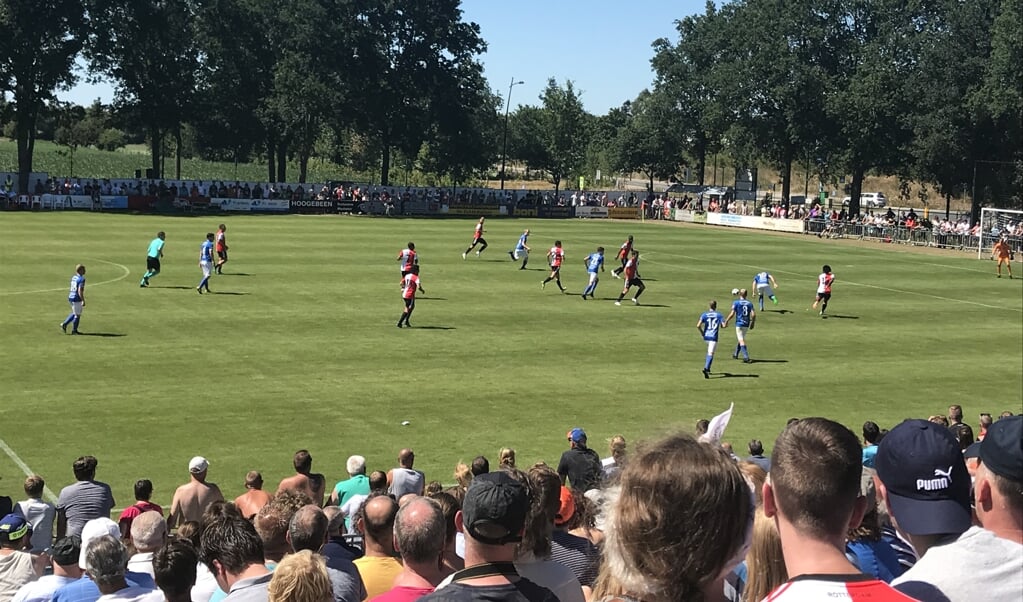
(869, 200)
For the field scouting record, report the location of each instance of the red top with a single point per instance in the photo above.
(557, 256)
(410, 286)
(625, 249)
(408, 259)
(479, 231)
(402, 593)
(630, 269)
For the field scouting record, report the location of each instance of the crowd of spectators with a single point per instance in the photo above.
(923, 511)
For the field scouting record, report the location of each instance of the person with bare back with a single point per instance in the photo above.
(192, 498)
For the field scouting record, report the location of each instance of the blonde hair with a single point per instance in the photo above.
(506, 457)
(755, 476)
(301, 577)
(618, 449)
(463, 474)
(679, 523)
(765, 564)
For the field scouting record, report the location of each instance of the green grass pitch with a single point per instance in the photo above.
(298, 347)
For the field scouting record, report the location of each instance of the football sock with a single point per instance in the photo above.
(638, 293)
(75, 321)
(745, 352)
(68, 319)
(774, 299)
(710, 360)
(737, 348)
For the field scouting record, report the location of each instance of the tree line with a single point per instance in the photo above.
(926, 90)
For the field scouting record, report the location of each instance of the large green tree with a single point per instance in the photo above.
(150, 51)
(39, 40)
(552, 137)
(651, 139)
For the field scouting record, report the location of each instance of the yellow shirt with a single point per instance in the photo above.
(378, 573)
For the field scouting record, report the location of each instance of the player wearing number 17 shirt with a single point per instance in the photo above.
(556, 256)
(206, 263)
(594, 261)
(410, 287)
(632, 279)
(745, 318)
(709, 325)
(407, 258)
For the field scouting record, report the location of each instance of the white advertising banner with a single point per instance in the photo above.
(597, 212)
(757, 223)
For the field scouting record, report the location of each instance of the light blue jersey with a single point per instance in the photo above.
(762, 279)
(594, 261)
(78, 280)
(521, 246)
(206, 251)
(743, 309)
(156, 247)
(711, 321)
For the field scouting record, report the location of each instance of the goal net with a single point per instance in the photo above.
(996, 223)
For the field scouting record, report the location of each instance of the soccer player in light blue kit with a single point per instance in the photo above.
(745, 318)
(76, 297)
(521, 250)
(594, 262)
(206, 262)
(709, 326)
(763, 282)
(153, 258)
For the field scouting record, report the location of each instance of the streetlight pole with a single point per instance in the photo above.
(504, 144)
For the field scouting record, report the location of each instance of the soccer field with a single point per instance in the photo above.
(297, 347)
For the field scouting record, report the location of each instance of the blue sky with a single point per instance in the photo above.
(603, 46)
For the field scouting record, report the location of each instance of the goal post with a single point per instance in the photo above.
(994, 223)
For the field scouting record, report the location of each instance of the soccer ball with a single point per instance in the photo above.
(735, 292)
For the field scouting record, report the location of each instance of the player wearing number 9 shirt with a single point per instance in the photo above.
(745, 318)
(709, 326)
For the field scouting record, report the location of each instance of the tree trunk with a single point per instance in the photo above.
(282, 162)
(701, 160)
(25, 128)
(270, 163)
(855, 187)
(385, 163)
(177, 159)
(156, 144)
(786, 175)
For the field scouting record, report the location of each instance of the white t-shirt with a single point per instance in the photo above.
(978, 565)
(133, 594)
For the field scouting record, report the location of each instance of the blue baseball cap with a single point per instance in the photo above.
(13, 527)
(921, 466)
(1001, 451)
(577, 435)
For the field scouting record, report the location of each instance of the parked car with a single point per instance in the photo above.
(872, 200)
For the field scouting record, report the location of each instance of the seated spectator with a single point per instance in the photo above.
(175, 567)
(765, 564)
(307, 531)
(143, 492)
(232, 551)
(300, 577)
(756, 455)
(506, 457)
(105, 561)
(64, 562)
(86, 589)
(871, 435)
(337, 550)
(379, 566)
(148, 534)
(613, 464)
(449, 506)
(865, 544)
(669, 536)
(927, 491)
(419, 536)
(17, 567)
(254, 498)
(377, 484)
(38, 513)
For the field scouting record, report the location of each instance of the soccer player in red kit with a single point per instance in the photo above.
(824, 282)
(556, 256)
(623, 254)
(408, 258)
(411, 286)
(221, 248)
(632, 279)
(477, 239)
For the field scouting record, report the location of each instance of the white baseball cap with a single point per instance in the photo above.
(198, 464)
(93, 530)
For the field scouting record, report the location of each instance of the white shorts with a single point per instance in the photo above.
(593, 277)
(207, 267)
(519, 253)
(765, 289)
(740, 333)
(76, 307)
(711, 347)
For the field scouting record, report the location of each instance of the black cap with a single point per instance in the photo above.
(495, 507)
(1001, 451)
(923, 471)
(65, 551)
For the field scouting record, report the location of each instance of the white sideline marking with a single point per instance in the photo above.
(126, 273)
(849, 282)
(24, 468)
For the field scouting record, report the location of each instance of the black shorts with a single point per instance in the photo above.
(405, 273)
(480, 241)
(823, 296)
(222, 255)
(153, 264)
(410, 303)
(555, 269)
(634, 282)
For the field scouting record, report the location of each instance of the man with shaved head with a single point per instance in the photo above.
(405, 479)
(254, 498)
(307, 530)
(419, 536)
(378, 567)
(304, 480)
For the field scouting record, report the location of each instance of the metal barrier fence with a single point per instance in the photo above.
(902, 235)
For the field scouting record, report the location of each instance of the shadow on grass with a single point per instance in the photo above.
(234, 274)
(177, 288)
(730, 375)
(778, 311)
(648, 305)
(431, 299)
(755, 361)
(101, 334)
(227, 293)
(431, 327)
(840, 317)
